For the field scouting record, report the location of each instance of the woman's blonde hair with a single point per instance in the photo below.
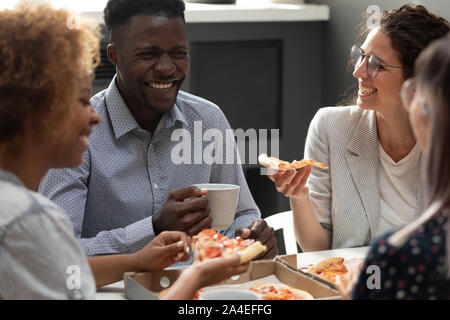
(43, 56)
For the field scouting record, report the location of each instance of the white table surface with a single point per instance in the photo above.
(114, 291)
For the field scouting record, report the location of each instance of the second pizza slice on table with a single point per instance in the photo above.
(329, 269)
(211, 244)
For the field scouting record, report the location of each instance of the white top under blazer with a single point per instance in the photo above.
(346, 197)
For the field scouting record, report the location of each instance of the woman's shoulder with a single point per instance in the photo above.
(426, 245)
(20, 206)
(38, 249)
(339, 122)
(416, 269)
(340, 115)
(342, 112)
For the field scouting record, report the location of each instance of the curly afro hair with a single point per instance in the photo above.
(42, 59)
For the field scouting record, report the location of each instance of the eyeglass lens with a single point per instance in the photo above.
(357, 57)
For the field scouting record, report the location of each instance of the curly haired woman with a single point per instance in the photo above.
(45, 121)
(413, 262)
(375, 164)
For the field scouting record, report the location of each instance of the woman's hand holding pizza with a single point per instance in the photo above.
(204, 273)
(291, 183)
(166, 249)
(216, 270)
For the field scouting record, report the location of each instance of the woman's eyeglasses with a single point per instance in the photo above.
(373, 65)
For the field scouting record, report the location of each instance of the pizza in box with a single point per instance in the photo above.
(331, 268)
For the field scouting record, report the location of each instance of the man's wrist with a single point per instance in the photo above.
(155, 224)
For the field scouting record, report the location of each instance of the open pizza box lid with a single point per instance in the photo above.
(144, 286)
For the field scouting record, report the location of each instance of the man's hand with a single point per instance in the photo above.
(190, 216)
(259, 230)
(166, 249)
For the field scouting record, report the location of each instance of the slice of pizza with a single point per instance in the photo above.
(329, 268)
(269, 291)
(211, 244)
(275, 163)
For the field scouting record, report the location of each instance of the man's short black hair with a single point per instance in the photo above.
(118, 12)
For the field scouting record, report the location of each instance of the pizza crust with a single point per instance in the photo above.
(302, 294)
(275, 163)
(252, 252)
(322, 265)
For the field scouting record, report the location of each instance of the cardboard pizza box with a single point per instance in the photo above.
(300, 262)
(290, 261)
(139, 286)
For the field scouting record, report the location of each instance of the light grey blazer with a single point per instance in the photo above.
(346, 197)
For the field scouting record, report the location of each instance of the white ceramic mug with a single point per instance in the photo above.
(222, 200)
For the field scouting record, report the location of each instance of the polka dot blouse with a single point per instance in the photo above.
(417, 270)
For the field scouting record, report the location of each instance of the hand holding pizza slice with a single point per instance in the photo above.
(209, 244)
(288, 180)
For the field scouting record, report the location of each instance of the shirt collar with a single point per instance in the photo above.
(175, 114)
(123, 121)
(10, 177)
(121, 118)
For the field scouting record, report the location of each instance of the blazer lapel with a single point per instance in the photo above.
(363, 162)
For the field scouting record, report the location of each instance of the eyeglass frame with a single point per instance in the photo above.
(362, 54)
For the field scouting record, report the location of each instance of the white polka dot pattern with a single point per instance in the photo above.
(417, 270)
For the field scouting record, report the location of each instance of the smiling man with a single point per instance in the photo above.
(128, 189)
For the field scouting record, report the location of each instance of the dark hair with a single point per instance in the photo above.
(433, 75)
(433, 78)
(118, 12)
(411, 29)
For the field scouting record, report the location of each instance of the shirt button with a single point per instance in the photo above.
(155, 186)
